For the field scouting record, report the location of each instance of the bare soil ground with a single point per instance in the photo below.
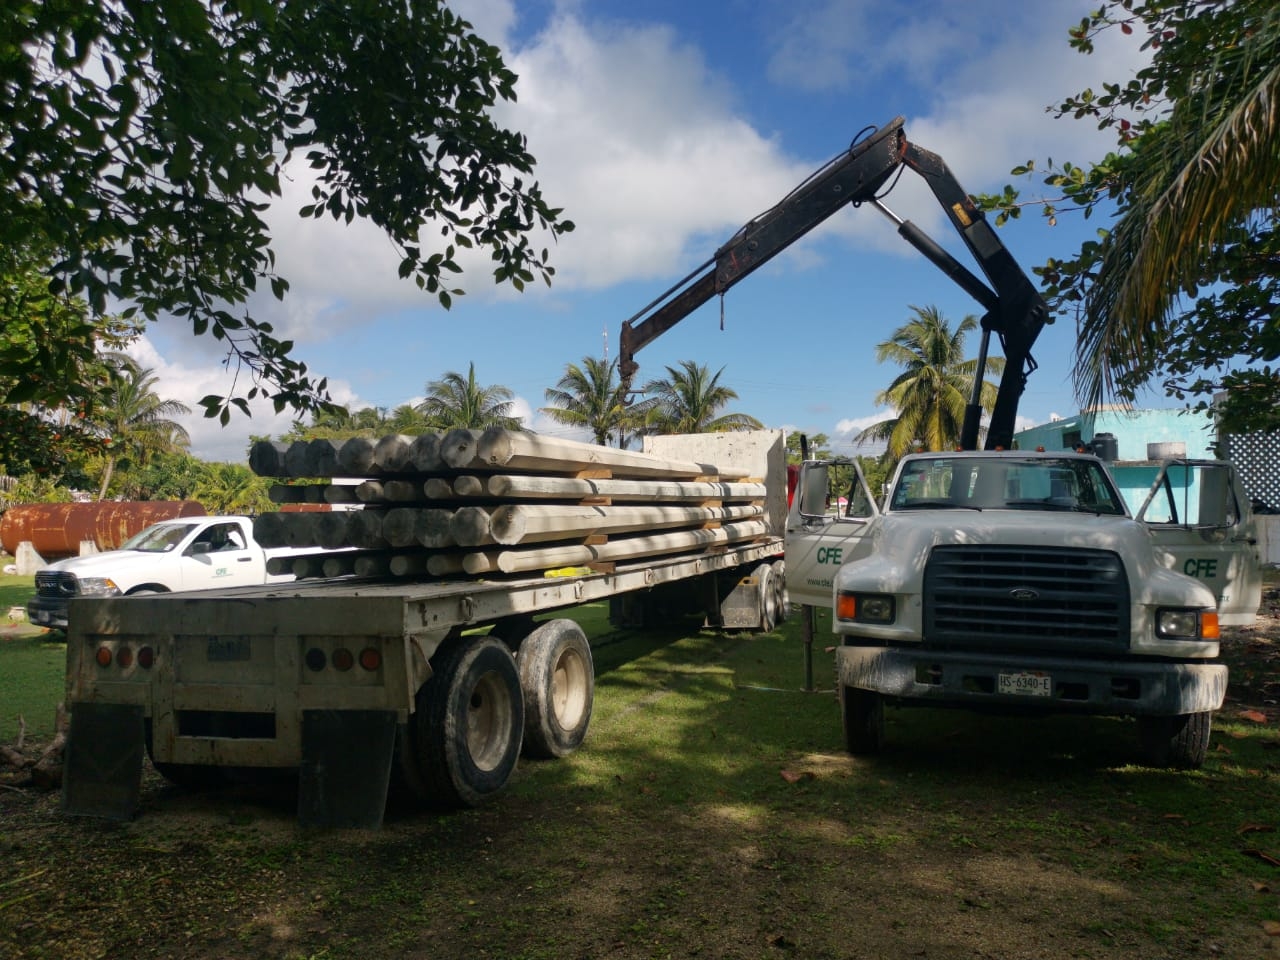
(711, 814)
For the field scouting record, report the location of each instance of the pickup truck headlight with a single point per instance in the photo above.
(1182, 624)
(866, 607)
(98, 587)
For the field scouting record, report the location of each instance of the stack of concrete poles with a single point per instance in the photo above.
(499, 501)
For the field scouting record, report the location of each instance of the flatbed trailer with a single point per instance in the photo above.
(352, 683)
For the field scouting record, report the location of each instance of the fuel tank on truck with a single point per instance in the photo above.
(56, 530)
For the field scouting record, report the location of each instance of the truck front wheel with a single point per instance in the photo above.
(863, 714)
(557, 679)
(1180, 742)
(467, 727)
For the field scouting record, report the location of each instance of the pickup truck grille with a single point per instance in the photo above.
(1026, 598)
(55, 584)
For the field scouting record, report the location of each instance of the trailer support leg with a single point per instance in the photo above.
(346, 767)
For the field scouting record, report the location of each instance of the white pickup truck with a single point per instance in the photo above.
(188, 553)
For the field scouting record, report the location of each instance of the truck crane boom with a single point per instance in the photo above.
(1015, 311)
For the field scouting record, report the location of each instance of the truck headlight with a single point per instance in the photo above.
(98, 587)
(865, 607)
(1176, 624)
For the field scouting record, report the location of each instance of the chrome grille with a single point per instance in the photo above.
(987, 597)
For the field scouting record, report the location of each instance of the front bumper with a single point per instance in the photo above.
(47, 612)
(1119, 687)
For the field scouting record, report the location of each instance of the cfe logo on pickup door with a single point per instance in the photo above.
(1203, 568)
(830, 555)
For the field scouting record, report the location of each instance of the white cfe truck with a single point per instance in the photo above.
(437, 681)
(1018, 581)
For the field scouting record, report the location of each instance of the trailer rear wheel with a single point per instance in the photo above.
(557, 679)
(863, 714)
(466, 729)
(1180, 742)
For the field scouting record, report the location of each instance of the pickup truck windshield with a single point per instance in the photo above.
(1006, 483)
(161, 538)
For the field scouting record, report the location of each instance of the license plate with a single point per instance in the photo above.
(42, 616)
(1027, 684)
(227, 649)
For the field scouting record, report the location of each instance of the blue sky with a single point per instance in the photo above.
(661, 127)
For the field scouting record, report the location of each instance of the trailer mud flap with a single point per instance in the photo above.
(102, 776)
(346, 767)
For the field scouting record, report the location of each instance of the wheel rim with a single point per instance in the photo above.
(569, 689)
(488, 722)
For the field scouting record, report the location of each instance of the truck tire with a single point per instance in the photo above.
(863, 714)
(768, 597)
(557, 679)
(466, 730)
(781, 601)
(1180, 742)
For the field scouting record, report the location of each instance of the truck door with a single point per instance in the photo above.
(1200, 522)
(829, 513)
(221, 556)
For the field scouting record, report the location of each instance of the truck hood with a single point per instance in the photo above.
(110, 563)
(896, 544)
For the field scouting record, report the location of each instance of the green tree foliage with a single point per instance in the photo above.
(591, 396)
(689, 400)
(231, 488)
(136, 423)
(936, 382)
(144, 140)
(1183, 288)
(458, 401)
(51, 368)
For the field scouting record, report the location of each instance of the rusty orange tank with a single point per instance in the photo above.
(57, 529)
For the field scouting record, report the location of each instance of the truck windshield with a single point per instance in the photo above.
(160, 538)
(1006, 483)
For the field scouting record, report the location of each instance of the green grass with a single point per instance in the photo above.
(32, 667)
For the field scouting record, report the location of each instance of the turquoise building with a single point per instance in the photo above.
(1134, 440)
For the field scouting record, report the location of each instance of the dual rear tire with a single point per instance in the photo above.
(483, 704)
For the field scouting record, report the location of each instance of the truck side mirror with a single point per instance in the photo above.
(202, 547)
(813, 490)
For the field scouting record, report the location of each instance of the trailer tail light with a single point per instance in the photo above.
(316, 660)
(343, 659)
(123, 656)
(371, 658)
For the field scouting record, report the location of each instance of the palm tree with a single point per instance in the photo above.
(457, 401)
(135, 421)
(689, 399)
(934, 387)
(1203, 171)
(407, 419)
(591, 396)
(231, 488)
